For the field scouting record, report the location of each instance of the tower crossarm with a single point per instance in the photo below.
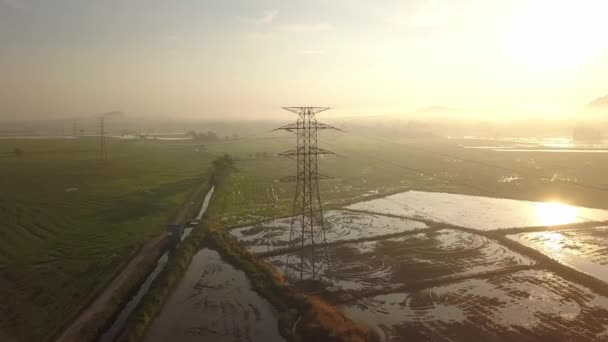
(312, 151)
(290, 127)
(295, 127)
(307, 110)
(291, 179)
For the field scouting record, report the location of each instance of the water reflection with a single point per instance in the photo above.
(554, 213)
(552, 240)
(584, 249)
(482, 213)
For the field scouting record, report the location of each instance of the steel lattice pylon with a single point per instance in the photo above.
(307, 231)
(103, 152)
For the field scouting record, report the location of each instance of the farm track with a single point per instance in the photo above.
(144, 258)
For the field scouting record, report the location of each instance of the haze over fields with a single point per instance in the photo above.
(171, 170)
(244, 59)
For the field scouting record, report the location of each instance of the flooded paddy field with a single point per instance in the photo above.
(214, 301)
(583, 249)
(477, 212)
(341, 225)
(531, 305)
(435, 254)
(438, 282)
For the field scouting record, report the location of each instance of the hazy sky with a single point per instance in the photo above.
(244, 57)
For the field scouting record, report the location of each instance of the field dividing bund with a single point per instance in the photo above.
(443, 282)
(532, 305)
(396, 261)
(268, 237)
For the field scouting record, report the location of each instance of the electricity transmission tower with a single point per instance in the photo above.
(75, 128)
(308, 252)
(103, 153)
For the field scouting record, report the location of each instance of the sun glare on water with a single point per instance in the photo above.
(552, 240)
(554, 213)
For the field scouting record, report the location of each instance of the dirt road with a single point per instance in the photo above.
(144, 258)
(96, 313)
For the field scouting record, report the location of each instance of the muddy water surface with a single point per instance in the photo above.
(412, 258)
(214, 302)
(341, 225)
(521, 306)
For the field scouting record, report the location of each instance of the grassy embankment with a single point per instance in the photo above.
(69, 223)
(316, 319)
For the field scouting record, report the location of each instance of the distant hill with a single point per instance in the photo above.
(599, 103)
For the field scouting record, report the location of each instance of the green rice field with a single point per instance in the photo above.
(69, 222)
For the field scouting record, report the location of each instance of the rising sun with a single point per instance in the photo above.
(553, 213)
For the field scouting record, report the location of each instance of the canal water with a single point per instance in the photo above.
(119, 323)
(214, 302)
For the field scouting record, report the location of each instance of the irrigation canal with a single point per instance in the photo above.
(118, 325)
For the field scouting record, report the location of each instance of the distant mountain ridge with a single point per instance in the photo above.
(600, 102)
